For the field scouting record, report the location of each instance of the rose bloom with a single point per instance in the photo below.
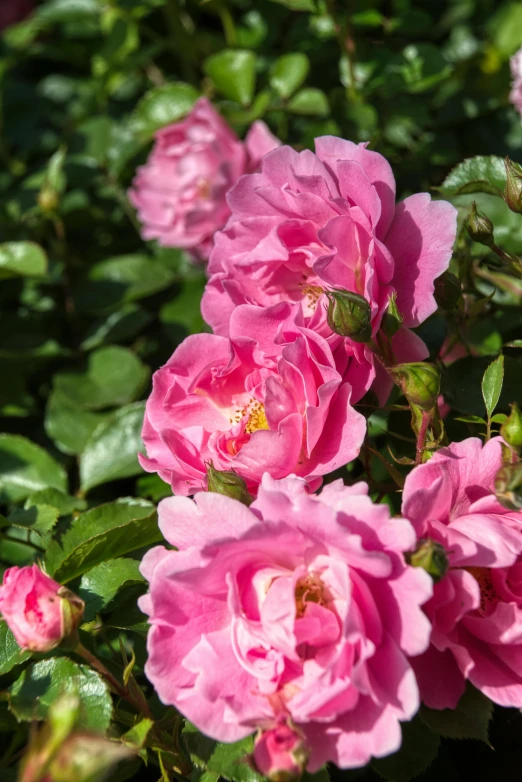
(515, 96)
(271, 398)
(279, 753)
(476, 609)
(328, 220)
(180, 192)
(14, 11)
(301, 607)
(39, 612)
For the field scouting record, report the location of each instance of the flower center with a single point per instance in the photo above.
(312, 293)
(309, 589)
(488, 593)
(204, 188)
(256, 418)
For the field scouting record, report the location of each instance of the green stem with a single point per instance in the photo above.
(229, 27)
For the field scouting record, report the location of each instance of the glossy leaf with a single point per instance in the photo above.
(233, 72)
(492, 384)
(26, 467)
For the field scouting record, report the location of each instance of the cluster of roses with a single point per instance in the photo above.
(298, 615)
(301, 615)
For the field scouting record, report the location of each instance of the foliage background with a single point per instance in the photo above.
(88, 310)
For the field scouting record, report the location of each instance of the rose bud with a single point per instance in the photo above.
(280, 753)
(480, 227)
(419, 382)
(227, 482)
(513, 191)
(349, 315)
(511, 430)
(431, 557)
(39, 612)
(392, 320)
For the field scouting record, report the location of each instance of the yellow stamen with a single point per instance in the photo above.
(257, 417)
(309, 590)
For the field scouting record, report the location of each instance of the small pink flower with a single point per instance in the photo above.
(476, 609)
(271, 398)
(300, 608)
(280, 753)
(39, 612)
(515, 95)
(328, 220)
(14, 11)
(180, 192)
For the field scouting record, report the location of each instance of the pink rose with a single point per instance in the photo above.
(271, 398)
(280, 753)
(180, 192)
(14, 11)
(39, 612)
(299, 608)
(476, 609)
(515, 96)
(328, 220)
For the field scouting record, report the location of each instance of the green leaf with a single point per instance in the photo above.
(43, 682)
(492, 384)
(227, 760)
(233, 72)
(64, 503)
(418, 749)
(100, 585)
(298, 5)
(470, 720)
(121, 280)
(100, 534)
(112, 450)
(22, 259)
(505, 27)
(288, 73)
(113, 376)
(515, 343)
(25, 467)
(499, 418)
(68, 425)
(309, 101)
(136, 737)
(184, 310)
(127, 616)
(10, 652)
(38, 518)
(119, 326)
(461, 383)
(482, 174)
(471, 419)
(69, 10)
(163, 105)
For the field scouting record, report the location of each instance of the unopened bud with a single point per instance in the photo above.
(227, 482)
(511, 430)
(48, 199)
(508, 486)
(480, 227)
(85, 757)
(40, 613)
(447, 291)
(419, 382)
(431, 557)
(392, 320)
(349, 315)
(513, 191)
(280, 753)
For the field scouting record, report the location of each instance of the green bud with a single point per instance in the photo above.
(480, 227)
(392, 320)
(48, 199)
(86, 757)
(513, 191)
(447, 291)
(419, 382)
(508, 486)
(431, 557)
(227, 482)
(349, 315)
(511, 431)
